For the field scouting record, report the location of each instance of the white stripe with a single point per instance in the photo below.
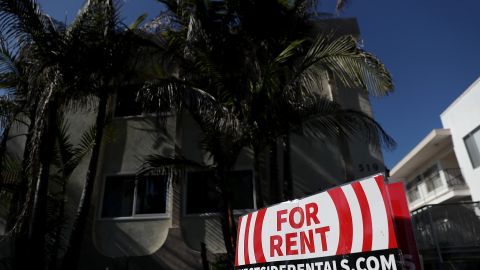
(357, 222)
(241, 241)
(379, 214)
(251, 233)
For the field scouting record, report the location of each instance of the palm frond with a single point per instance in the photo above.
(10, 112)
(318, 117)
(66, 150)
(96, 16)
(23, 21)
(10, 172)
(288, 52)
(8, 106)
(341, 4)
(341, 56)
(171, 94)
(81, 150)
(8, 57)
(140, 19)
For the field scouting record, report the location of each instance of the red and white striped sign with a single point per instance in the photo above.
(354, 218)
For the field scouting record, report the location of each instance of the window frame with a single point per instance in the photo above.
(431, 182)
(216, 214)
(134, 217)
(470, 134)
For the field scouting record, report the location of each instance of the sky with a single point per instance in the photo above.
(431, 48)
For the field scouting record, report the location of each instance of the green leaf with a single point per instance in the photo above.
(288, 52)
(140, 19)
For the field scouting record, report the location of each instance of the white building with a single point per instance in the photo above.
(462, 117)
(431, 172)
(445, 165)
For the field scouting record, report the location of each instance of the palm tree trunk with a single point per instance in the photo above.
(37, 230)
(21, 201)
(275, 197)
(228, 222)
(258, 180)
(287, 169)
(59, 222)
(72, 254)
(19, 197)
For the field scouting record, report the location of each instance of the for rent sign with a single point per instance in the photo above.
(346, 228)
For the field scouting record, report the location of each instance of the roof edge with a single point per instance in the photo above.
(470, 88)
(430, 136)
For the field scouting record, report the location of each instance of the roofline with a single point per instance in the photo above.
(434, 133)
(477, 81)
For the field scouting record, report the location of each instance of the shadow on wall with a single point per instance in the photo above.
(172, 253)
(205, 229)
(321, 164)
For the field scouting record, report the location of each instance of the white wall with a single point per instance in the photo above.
(462, 117)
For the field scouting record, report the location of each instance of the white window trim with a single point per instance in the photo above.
(236, 212)
(136, 217)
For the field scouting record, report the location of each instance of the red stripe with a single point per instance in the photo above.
(366, 216)
(238, 238)
(392, 242)
(345, 220)
(245, 240)
(257, 236)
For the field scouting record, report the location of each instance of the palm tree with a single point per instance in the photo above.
(16, 79)
(69, 73)
(20, 77)
(41, 38)
(109, 47)
(67, 156)
(237, 94)
(256, 72)
(294, 24)
(294, 73)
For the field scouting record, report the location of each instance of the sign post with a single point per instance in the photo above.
(403, 226)
(349, 227)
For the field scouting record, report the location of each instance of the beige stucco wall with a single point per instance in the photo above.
(133, 138)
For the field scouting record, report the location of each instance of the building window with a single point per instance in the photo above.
(432, 178)
(203, 196)
(130, 196)
(472, 142)
(413, 192)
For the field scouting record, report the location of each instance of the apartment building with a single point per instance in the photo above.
(431, 172)
(163, 221)
(462, 117)
(445, 165)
